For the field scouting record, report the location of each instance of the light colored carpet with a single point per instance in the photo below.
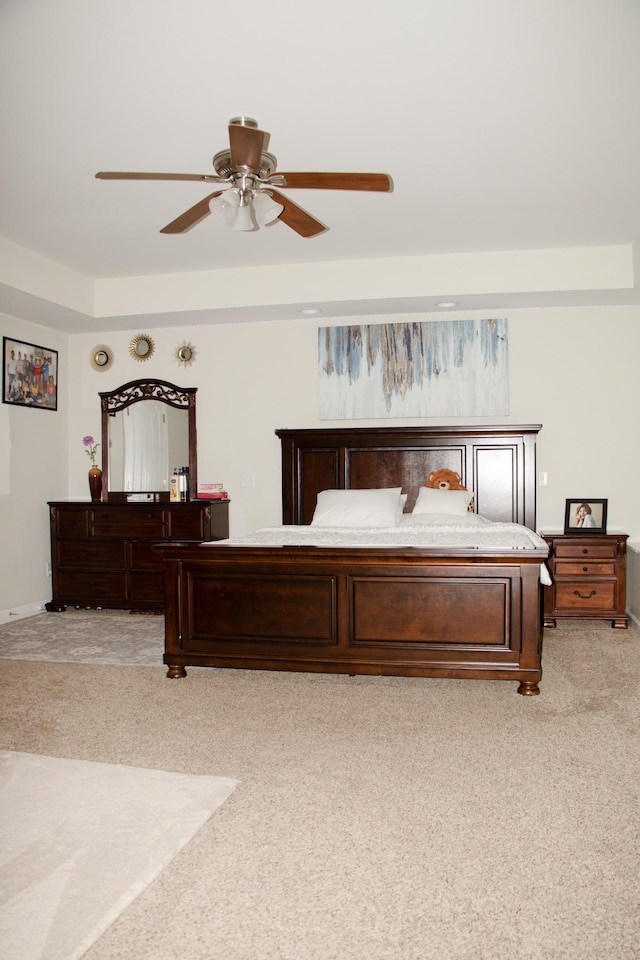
(114, 637)
(79, 841)
(379, 818)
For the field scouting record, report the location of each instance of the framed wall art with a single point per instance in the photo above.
(439, 368)
(585, 515)
(29, 375)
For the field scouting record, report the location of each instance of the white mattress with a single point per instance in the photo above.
(430, 531)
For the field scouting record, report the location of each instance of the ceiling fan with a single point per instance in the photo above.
(250, 199)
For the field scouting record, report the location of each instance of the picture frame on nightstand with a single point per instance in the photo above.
(586, 515)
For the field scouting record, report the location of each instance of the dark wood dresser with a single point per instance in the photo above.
(589, 578)
(102, 553)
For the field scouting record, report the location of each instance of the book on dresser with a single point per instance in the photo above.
(102, 554)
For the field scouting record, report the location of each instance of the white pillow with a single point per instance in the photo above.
(358, 508)
(431, 500)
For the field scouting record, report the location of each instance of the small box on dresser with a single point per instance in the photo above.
(102, 553)
(589, 574)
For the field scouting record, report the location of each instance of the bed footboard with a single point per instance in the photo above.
(355, 612)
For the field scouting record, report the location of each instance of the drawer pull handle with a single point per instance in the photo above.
(585, 550)
(585, 569)
(582, 597)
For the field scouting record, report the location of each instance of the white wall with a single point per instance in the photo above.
(573, 370)
(33, 469)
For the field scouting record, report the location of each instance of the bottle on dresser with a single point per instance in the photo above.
(179, 484)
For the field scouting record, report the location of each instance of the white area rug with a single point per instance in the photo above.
(113, 637)
(79, 841)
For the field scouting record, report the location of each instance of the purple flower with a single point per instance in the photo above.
(92, 447)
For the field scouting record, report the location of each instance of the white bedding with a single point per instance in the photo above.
(432, 530)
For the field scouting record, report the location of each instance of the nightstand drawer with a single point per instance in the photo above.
(592, 551)
(586, 596)
(566, 568)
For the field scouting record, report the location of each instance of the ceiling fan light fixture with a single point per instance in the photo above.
(266, 209)
(244, 217)
(226, 206)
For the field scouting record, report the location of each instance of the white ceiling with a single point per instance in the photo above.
(506, 125)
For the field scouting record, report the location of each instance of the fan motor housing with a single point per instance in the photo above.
(224, 168)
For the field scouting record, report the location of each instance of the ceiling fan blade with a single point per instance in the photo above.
(191, 216)
(380, 182)
(297, 218)
(247, 145)
(117, 175)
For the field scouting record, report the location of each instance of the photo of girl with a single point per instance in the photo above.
(585, 516)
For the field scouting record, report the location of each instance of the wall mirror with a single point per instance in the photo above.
(148, 430)
(141, 347)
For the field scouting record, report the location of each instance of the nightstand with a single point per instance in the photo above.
(589, 574)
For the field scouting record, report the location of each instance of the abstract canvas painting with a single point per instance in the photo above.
(441, 368)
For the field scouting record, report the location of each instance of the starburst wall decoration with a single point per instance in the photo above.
(185, 354)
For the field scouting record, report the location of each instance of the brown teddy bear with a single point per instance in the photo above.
(444, 480)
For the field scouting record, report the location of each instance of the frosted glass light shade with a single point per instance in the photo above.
(244, 219)
(247, 212)
(226, 206)
(266, 209)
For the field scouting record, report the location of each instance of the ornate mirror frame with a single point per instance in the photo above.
(136, 391)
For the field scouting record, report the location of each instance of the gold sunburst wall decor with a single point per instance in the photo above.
(141, 347)
(185, 354)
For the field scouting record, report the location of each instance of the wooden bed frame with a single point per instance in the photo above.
(402, 612)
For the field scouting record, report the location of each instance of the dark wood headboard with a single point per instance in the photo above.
(497, 462)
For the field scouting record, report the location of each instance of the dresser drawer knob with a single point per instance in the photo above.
(585, 569)
(582, 596)
(585, 550)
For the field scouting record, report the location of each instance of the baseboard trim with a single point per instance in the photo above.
(20, 613)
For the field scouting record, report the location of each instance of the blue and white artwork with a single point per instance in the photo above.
(441, 368)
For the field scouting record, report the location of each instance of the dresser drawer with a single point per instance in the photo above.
(186, 525)
(147, 588)
(593, 551)
(143, 555)
(71, 522)
(86, 553)
(585, 596)
(91, 587)
(143, 526)
(567, 568)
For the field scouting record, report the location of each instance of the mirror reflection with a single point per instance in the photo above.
(148, 431)
(146, 442)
